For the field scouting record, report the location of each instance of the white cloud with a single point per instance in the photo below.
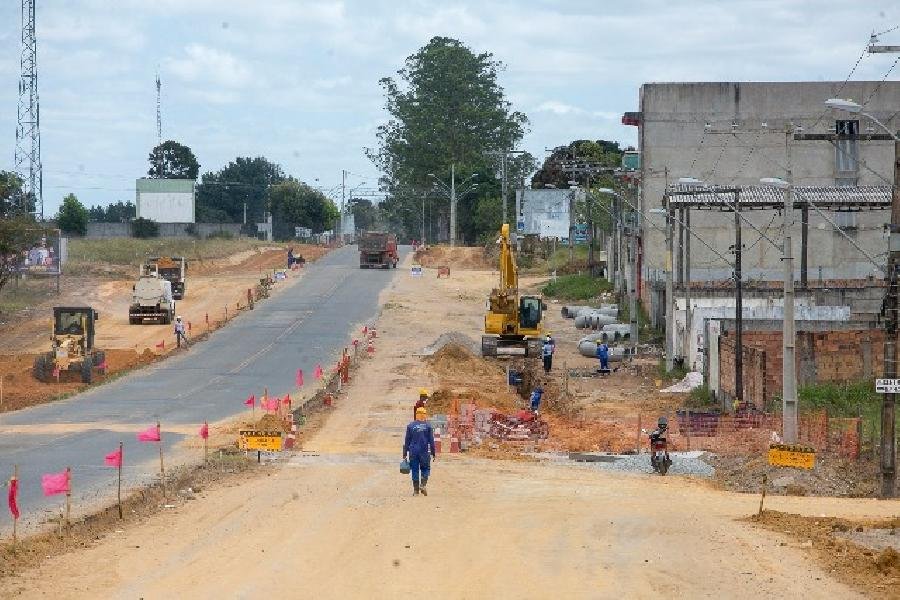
(202, 64)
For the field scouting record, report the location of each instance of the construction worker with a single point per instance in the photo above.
(421, 402)
(603, 356)
(418, 450)
(290, 258)
(536, 396)
(179, 332)
(547, 350)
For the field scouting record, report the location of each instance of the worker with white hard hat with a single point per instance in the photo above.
(179, 332)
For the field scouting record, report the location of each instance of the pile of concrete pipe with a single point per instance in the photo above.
(587, 346)
(587, 317)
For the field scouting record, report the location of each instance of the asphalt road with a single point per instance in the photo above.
(307, 324)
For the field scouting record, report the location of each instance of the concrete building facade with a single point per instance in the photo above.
(734, 134)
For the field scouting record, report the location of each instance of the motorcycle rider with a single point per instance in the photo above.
(660, 434)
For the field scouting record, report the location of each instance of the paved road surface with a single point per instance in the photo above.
(297, 328)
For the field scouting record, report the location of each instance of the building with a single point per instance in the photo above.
(734, 134)
(165, 200)
(546, 212)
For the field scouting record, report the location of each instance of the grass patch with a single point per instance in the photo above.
(677, 373)
(700, 397)
(576, 287)
(131, 251)
(29, 292)
(849, 399)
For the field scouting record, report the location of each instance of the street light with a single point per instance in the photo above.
(452, 193)
(889, 309)
(788, 333)
(632, 252)
(857, 109)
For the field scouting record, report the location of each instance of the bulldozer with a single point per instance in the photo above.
(72, 345)
(512, 325)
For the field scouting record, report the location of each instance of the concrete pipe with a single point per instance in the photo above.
(589, 349)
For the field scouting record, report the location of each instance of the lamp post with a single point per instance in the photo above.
(632, 277)
(890, 307)
(788, 332)
(451, 193)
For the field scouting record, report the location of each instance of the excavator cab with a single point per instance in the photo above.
(530, 312)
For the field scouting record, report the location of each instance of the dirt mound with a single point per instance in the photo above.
(270, 422)
(457, 361)
(459, 257)
(888, 561)
(451, 337)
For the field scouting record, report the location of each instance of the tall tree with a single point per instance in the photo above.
(18, 233)
(365, 214)
(295, 204)
(73, 216)
(120, 212)
(446, 108)
(221, 195)
(12, 194)
(601, 152)
(171, 160)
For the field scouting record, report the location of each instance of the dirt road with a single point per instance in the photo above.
(339, 521)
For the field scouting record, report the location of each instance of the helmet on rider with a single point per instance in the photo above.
(662, 423)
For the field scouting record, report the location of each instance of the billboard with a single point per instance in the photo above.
(165, 200)
(546, 212)
(45, 256)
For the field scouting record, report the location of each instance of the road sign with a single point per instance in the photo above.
(887, 386)
(270, 441)
(785, 455)
(416, 271)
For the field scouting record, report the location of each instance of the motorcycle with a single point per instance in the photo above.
(659, 454)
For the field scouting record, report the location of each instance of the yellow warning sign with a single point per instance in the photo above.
(789, 455)
(267, 441)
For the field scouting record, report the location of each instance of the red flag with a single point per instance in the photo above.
(356, 342)
(103, 366)
(189, 326)
(204, 431)
(56, 372)
(270, 404)
(286, 400)
(318, 372)
(161, 345)
(250, 401)
(14, 497)
(299, 377)
(113, 459)
(151, 434)
(365, 330)
(55, 483)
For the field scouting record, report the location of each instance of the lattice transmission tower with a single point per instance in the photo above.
(28, 130)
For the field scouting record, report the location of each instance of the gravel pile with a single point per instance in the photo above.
(683, 463)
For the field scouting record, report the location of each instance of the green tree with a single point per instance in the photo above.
(446, 108)
(73, 216)
(171, 160)
(18, 233)
(12, 195)
(295, 204)
(221, 195)
(365, 214)
(601, 153)
(120, 212)
(144, 228)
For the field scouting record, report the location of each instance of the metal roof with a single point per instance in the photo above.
(846, 198)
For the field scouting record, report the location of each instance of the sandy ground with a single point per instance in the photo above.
(338, 521)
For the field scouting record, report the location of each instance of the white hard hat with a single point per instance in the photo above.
(178, 318)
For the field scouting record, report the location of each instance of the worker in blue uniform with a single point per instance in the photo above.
(418, 450)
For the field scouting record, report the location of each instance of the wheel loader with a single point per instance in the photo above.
(72, 345)
(513, 323)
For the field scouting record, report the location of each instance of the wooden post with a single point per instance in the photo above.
(206, 443)
(68, 497)
(763, 498)
(638, 440)
(119, 487)
(162, 468)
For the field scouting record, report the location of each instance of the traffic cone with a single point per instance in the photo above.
(454, 444)
(437, 441)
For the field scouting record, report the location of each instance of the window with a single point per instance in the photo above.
(529, 312)
(846, 153)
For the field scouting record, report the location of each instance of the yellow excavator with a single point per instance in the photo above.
(512, 325)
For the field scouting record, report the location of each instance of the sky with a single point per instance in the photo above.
(296, 81)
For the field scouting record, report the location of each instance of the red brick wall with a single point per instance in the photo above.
(843, 355)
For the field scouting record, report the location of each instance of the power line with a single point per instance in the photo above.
(883, 79)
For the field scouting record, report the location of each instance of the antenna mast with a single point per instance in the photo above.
(27, 161)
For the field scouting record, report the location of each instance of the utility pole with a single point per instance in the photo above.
(27, 158)
(452, 204)
(738, 305)
(686, 265)
(670, 290)
(788, 334)
(888, 403)
(422, 239)
(343, 200)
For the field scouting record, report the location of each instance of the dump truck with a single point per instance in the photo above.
(513, 323)
(71, 345)
(151, 300)
(171, 268)
(378, 249)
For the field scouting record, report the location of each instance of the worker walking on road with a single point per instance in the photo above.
(179, 332)
(421, 402)
(418, 450)
(547, 350)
